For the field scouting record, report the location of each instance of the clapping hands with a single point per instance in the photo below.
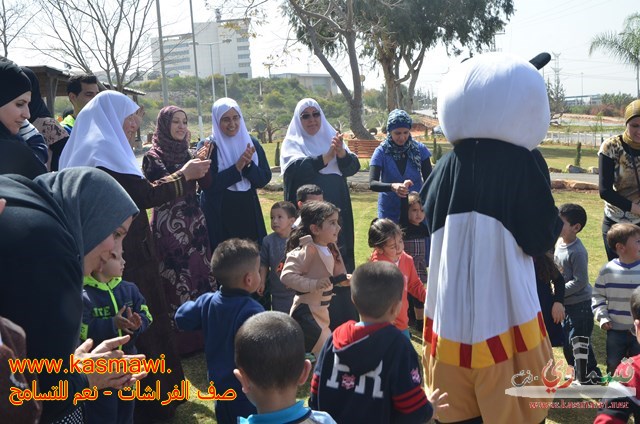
(245, 158)
(128, 324)
(336, 149)
(204, 152)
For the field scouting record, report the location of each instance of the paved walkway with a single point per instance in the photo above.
(360, 181)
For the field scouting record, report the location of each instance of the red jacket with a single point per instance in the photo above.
(412, 284)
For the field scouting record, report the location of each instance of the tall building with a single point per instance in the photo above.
(222, 48)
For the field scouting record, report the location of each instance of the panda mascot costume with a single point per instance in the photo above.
(489, 210)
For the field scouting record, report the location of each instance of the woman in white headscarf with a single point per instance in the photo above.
(313, 152)
(100, 139)
(238, 167)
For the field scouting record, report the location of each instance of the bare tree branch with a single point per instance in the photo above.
(97, 34)
(13, 20)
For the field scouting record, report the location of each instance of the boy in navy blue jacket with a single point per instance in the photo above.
(369, 371)
(112, 308)
(236, 266)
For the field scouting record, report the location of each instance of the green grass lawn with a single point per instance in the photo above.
(364, 206)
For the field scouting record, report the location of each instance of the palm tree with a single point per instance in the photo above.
(624, 46)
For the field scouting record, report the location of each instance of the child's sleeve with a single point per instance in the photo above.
(580, 265)
(293, 272)
(318, 375)
(189, 314)
(140, 306)
(95, 328)
(264, 254)
(599, 302)
(415, 287)
(409, 401)
(558, 287)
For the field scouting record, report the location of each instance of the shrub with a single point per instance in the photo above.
(190, 101)
(437, 151)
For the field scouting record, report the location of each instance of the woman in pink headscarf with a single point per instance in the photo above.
(178, 225)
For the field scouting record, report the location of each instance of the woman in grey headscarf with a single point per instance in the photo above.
(55, 230)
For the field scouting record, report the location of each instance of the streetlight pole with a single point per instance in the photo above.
(224, 74)
(165, 94)
(195, 63)
(213, 82)
(213, 87)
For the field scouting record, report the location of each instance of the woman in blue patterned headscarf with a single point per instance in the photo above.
(398, 165)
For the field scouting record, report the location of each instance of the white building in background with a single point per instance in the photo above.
(223, 44)
(320, 83)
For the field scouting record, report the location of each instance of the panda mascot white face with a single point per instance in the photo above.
(495, 96)
(489, 210)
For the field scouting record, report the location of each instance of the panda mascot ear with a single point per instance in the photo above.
(540, 60)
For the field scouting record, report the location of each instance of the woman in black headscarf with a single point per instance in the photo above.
(54, 135)
(15, 93)
(55, 230)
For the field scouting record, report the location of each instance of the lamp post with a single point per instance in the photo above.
(224, 76)
(165, 93)
(195, 63)
(213, 81)
(213, 86)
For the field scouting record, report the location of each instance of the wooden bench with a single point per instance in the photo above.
(363, 148)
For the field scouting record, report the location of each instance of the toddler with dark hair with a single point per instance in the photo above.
(236, 266)
(572, 259)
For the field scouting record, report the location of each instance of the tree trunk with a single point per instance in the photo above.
(385, 58)
(638, 79)
(354, 100)
(414, 71)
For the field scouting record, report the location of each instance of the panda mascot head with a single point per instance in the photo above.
(495, 96)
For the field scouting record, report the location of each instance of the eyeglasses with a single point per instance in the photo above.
(306, 116)
(228, 119)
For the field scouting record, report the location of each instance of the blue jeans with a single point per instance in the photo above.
(578, 321)
(620, 344)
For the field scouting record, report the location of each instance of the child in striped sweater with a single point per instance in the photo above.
(612, 292)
